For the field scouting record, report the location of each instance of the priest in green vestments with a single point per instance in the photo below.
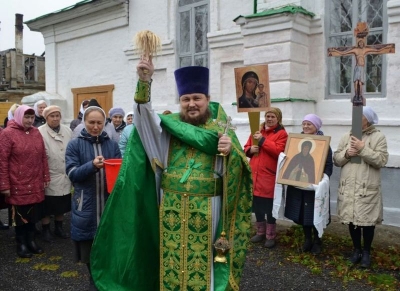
(184, 184)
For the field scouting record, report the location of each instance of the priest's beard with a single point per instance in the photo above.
(199, 120)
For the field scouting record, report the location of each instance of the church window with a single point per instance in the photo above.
(343, 18)
(193, 25)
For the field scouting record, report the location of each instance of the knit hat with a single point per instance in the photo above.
(116, 111)
(191, 80)
(314, 119)
(50, 109)
(370, 115)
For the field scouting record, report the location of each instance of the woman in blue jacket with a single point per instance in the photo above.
(85, 157)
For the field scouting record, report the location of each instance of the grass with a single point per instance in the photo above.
(384, 272)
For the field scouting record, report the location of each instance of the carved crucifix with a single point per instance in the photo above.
(359, 52)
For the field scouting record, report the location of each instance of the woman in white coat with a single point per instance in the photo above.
(58, 195)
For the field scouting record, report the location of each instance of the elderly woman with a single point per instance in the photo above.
(39, 107)
(359, 195)
(300, 203)
(271, 141)
(117, 115)
(85, 157)
(57, 200)
(24, 174)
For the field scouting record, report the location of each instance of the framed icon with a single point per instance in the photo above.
(305, 159)
(252, 88)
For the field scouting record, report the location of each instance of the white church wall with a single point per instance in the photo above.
(294, 47)
(223, 12)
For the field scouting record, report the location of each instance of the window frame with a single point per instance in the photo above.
(192, 54)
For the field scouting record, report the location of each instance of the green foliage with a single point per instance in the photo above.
(383, 274)
(383, 281)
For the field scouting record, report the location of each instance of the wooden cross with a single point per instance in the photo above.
(359, 52)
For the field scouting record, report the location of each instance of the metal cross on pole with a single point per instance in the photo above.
(359, 52)
(226, 126)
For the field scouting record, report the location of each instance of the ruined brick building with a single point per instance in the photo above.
(20, 74)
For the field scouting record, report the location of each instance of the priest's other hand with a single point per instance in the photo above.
(224, 144)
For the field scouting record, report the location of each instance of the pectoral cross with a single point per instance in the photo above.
(359, 52)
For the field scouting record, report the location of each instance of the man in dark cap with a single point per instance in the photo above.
(249, 86)
(176, 197)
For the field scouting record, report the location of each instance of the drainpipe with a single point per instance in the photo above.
(255, 7)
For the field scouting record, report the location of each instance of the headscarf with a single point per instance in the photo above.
(250, 75)
(10, 114)
(83, 104)
(93, 102)
(314, 119)
(94, 108)
(20, 112)
(35, 107)
(277, 112)
(370, 115)
(126, 116)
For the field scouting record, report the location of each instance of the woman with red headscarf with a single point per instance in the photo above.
(24, 173)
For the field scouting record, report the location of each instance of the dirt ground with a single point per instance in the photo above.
(264, 269)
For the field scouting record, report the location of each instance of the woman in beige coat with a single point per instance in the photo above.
(57, 200)
(359, 195)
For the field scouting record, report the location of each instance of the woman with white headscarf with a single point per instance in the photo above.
(129, 118)
(359, 195)
(10, 114)
(84, 159)
(39, 118)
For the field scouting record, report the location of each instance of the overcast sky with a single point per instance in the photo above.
(31, 9)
